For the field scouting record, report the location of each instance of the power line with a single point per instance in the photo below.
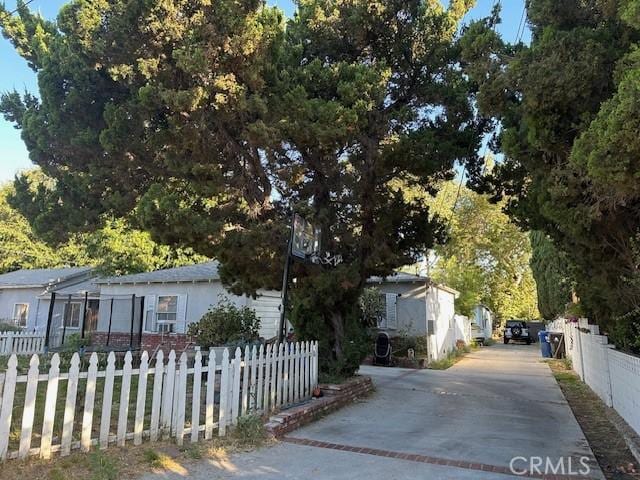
(18, 8)
(521, 25)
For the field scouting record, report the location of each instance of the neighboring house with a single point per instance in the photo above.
(156, 307)
(24, 293)
(414, 305)
(482, 322)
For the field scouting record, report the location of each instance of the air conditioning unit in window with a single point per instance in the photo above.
(166, 327)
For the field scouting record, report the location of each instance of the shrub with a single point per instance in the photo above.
(7, 326)
(250, 430)
(371, 306)
(226, 324)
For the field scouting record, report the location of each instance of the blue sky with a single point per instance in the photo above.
(13, 154)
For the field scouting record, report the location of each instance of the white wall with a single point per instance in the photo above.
(10, 296)
(484, 320)
(441, 309)
(194, 299)
(462, 326)
(613, 375)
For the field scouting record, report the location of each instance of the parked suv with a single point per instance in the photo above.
(516, 330)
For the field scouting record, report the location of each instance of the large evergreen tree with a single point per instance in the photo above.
(213, 123)
(552, 272)
(567, 105)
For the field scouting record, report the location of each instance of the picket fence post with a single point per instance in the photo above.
(167, 396)
(195, 407)
(245, 381)
(156, 402)
(181, 394)
(235, 395)
(253, 383)
(7, 405)
(28, 414)
(260, 385)
(87, 417)
(123, 412)
(107, 397)
(224, 394)
(210, 396)
(141, 398)
(268, 379)
(70, 404)
(50, 407)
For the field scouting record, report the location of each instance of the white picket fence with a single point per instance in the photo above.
(613, 375)
(173, 399)
(21, 343)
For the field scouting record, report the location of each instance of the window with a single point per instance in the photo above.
(166, 313)
(72, 314)
(20, 313)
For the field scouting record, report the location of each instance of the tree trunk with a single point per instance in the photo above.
(338, 331)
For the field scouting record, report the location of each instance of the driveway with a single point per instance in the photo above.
(469, 421)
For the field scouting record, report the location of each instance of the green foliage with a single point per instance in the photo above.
(401, 343)
(19, 247)
(243, 122)
(102, 467)
(9, 326)
(226, 324)
(321, 305)
(250, 430)
(486, 257)
(115, 249)
(372, 306)
(568, 108)
(552, 273)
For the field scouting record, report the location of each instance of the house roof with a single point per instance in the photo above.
(39, 277)
(398, 277)
(88, 286)
(202, 272)
(403, 277)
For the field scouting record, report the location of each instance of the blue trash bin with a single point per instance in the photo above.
(545, 346)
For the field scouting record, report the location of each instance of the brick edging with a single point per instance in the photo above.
(334, 397)
(425, 459)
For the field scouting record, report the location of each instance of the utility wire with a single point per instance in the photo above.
(522, 24)
(18, 8)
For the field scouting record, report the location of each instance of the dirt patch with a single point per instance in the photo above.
(609, 448)
(119, 463)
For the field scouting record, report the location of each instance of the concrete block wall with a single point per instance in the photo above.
(613, 375)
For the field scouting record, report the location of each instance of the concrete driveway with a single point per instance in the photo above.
(469, 421)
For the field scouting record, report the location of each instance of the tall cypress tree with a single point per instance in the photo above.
(213, 123)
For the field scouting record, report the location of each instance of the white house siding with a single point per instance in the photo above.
(440, 314)
(484, 320)
(410, 307)
(10, 296)
(462, 328)
(194, 299)
(267, 307)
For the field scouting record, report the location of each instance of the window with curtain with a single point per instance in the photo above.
(20, 314)
(72, 314)
(166, 313)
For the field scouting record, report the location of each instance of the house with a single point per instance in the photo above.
(414, 305)
(482, 322)
(25, 294)
(148, 309)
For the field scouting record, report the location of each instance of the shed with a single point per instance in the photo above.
(415, 305)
